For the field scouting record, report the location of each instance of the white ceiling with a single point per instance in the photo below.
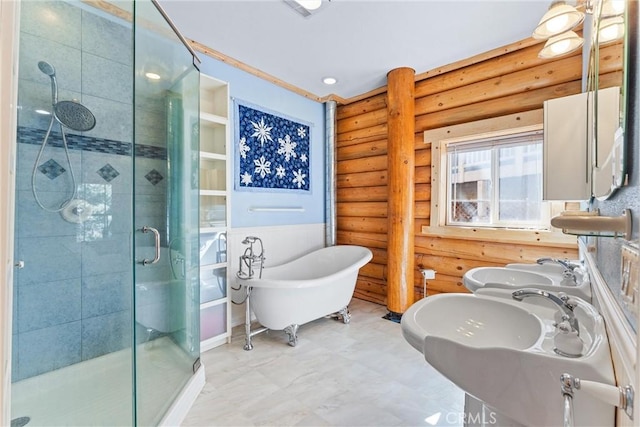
(356, 41)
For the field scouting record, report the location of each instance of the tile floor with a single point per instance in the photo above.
(360, 374)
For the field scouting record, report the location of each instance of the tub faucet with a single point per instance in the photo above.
(250, 258)
(569, 269)
(562, 301)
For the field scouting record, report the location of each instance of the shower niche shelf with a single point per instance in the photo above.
(215, 312)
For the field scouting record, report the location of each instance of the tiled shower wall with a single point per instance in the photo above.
(72, 299)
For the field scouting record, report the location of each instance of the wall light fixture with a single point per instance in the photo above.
(561, 45)
(559, 18)
(611, 29)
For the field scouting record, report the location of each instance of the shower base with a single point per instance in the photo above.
(99, 391)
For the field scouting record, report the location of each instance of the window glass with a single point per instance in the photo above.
(496, 183)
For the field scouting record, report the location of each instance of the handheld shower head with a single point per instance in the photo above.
(50, 71)
(47, 68)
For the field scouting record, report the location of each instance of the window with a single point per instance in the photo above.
(495, 182)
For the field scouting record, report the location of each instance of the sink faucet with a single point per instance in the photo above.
(562, 301)
(568, 265)
(569, 268)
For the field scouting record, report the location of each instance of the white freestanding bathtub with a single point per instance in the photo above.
(315, 285)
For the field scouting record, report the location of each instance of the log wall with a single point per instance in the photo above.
(505, 81)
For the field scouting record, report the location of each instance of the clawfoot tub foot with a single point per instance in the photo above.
(292, 331)
(344, 315)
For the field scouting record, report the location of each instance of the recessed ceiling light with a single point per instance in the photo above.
(152, 76)
(306, 7)
(310, 4)
(329, 80)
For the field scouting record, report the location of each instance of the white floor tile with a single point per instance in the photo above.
(360, 374)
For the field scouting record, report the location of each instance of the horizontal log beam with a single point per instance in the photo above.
(362, 225)
(516, 61)
(362, 209)
(368, 240)
(357, 194)
(519, 83)
(365, 164)
(495, 107)
(371, 118)
(373, 103)
(423, 210)
(357, 151)
(373, 271)
(498, 253)
(360, 136)
(423, 192)
(370, 297)
(362, 179)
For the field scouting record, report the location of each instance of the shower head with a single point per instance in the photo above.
(47, 68)
(74, 115)
(71, 114)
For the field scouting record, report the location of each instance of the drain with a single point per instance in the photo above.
(20, 422)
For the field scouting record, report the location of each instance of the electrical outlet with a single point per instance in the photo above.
(428, 273)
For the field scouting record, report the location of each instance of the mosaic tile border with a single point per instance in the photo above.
(33, 136)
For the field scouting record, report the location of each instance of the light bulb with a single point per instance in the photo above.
(610, 32)
(618, 5)
(560, 47)
(557, 23)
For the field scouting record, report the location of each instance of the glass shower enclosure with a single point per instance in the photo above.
(106, 298)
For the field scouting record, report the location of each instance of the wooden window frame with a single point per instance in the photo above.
(493, 127)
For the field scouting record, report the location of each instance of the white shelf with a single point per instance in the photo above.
(208, 267)
(217, 229)
(213, 193)
(212, 156)
(213, 303)
(213, 118)
(214, 144)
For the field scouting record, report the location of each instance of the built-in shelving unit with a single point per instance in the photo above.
(215, 310)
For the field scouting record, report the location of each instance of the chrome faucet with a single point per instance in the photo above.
(250, 259)
(562, 301)
(569, 268)
(566, 264)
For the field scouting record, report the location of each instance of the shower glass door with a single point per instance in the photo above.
(166, 272)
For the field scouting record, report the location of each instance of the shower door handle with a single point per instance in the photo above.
(156, 236)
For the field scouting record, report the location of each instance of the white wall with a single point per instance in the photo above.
(247, 87)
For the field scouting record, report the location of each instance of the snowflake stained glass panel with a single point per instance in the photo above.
(271, 151)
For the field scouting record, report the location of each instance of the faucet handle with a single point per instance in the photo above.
(569, 302)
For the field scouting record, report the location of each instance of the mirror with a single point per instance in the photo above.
(607, 75)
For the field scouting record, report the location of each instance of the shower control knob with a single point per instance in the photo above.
(19, 264)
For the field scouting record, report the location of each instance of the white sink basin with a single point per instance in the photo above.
(476, 322)
(502, 352)
(482, 276)
(513, 276)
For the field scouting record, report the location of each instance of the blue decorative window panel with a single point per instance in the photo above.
(271, 151)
